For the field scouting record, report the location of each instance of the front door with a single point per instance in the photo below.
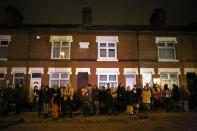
(35, 81)
(192, 86)
(82, 82)
(82, 79)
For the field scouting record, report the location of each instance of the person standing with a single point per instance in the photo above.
(136, 99)
(55, 103)
(46, 101)
(156, 96)
(121, 97)
(176, 97)
(114, 99)
(40, 100)
(19, 98)
(109, 98)
(146, 96)
(35, 99)
(86, 101)
(8, 94)
(68, 99)
(185, 98)
(129, 101)
(167, 98)
(95, 101)
(61, 92)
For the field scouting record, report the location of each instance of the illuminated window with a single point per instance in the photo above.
(168, 78)
(104, 79)
(59, 78)
(130, 80)
(60, 50)
(147, 79)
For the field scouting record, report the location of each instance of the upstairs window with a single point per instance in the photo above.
(60, 50)
(61, 46)
(4, 42)
(166, 48)
(107, 48)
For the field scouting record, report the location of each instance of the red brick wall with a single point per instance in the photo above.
(127, 53)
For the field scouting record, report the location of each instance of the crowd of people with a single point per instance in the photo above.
(58, 102)
(12, 98)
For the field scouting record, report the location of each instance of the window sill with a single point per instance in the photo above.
(60, 58)
(107, 59)
(3, 59)
(167, 60)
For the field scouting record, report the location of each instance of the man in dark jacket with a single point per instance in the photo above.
(108, 98)
(40, 100)
(8, 97)
(19, 98)
(95, 93)
(121, 97)
(176, 97)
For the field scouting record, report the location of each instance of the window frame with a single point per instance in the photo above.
(4, 58)
(151, 80)
(167, 48)
(14, 78)
(107, 48)
(169, 77)
(61, 46)
(59, 77)
(108, 80)
(126, 77)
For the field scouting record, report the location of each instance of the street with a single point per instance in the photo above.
(145, 122)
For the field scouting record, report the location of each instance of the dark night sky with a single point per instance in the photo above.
(107, 12)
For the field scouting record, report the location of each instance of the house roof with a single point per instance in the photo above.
(192, 28)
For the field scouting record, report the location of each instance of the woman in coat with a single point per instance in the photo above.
(146, 96)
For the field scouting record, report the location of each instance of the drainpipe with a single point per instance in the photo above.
(28, 63)
(138, 54)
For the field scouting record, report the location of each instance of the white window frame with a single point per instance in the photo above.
(169, 78)
(82, 70)
(6, 38)
(108, 81)
(107, 71)
(166, 41)
(131, 86)
(107, 40)
(130, 71)
(60, 55)
(144, 71)
(59, 78)
(14, 78)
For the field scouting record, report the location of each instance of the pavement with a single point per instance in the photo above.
(28, 117)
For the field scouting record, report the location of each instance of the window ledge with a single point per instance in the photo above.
(167, 60)
(3, 59)
(60, 58)
(106, 59)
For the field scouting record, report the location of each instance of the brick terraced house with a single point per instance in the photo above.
(82, 54)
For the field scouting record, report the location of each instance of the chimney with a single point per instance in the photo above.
(86, 16)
